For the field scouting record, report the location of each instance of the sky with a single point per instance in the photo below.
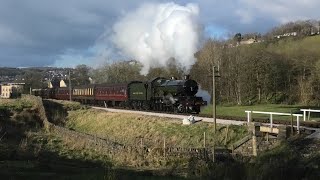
(66, 33)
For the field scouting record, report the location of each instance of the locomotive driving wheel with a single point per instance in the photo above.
(180, 108)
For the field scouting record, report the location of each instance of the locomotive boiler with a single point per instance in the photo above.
(167, 95)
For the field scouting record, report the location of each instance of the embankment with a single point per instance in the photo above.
(145, 143)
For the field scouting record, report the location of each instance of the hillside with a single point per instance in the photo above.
(294, 46)
(277, 71)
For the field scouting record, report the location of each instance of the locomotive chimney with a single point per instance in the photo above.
(187, 77)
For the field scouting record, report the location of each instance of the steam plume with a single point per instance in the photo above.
(204, 94)
(153, 33)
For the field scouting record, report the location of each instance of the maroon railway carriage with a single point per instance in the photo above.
(84, 94)
(111, 94)
(62, 93)
(47, 93)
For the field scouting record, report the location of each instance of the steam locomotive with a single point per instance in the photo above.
(159, 94)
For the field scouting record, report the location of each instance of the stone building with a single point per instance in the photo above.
(11, 90)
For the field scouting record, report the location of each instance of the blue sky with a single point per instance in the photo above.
(67, 33)
(216, 32)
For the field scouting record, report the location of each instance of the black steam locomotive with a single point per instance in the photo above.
(159, 94)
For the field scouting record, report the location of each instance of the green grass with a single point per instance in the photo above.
(239, 111)
(15, 104)
(130, 128)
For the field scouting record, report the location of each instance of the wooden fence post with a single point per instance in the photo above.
(291, 123)
(204, 139)
(254, 140)
(213, 151)
(226, 138)
(164, 147)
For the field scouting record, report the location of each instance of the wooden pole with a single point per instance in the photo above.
(204, 139)
(226, 138)
(213, 151)
(70, 97)
(214, 98)
(254, 141)
(254, 145)
(164, 147)
(291, 123)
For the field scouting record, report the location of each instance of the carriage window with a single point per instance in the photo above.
(122, 91)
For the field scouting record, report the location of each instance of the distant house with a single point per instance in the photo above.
(58, 83)
(54, 83)
(249, 41)
(63, 83)
(11, 90)
(286, 35)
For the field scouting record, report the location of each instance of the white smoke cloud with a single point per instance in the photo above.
(153, 33)
(204, 94)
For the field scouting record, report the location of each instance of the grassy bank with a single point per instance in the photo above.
(16, 104)
(37, 154)
(132, 129)
(29, 152)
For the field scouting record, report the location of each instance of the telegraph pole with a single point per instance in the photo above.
(70, 87)
(214, 98)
